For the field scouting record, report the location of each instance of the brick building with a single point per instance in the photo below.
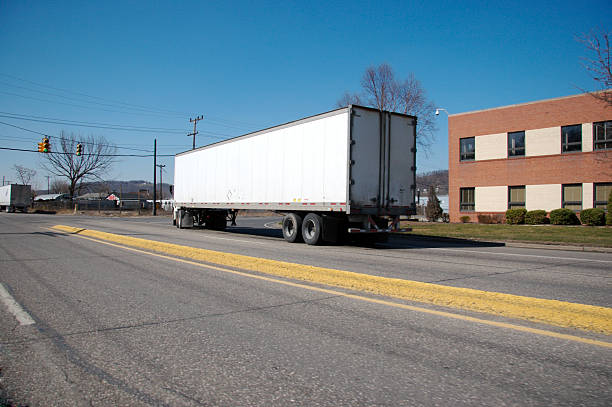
(546, 155)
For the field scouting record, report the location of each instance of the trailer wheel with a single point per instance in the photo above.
(292, 228)
(312, 228)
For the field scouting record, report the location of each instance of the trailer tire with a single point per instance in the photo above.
(292, 228)
(312, 229)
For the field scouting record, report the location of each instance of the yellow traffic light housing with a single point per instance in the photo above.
(46, 146)
(79, 149)
(41, 148)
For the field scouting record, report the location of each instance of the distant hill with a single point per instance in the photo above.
(110, 186)
(438, 178)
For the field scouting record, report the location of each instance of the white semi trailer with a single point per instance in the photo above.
(350, 170)
(15, 196)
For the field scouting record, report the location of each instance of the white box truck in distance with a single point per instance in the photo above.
(15, 196)
(350, 170)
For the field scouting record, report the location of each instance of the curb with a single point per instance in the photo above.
(553, 246)
(510, 243)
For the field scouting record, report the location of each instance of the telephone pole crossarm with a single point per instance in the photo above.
(161, 181)
(195, 123)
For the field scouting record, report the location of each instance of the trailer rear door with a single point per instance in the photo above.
(382, 170)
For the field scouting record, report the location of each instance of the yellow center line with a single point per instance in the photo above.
(354, 296)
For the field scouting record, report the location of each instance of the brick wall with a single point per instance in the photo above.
(552, 169)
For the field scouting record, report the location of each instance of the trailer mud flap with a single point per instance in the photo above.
(331, 228)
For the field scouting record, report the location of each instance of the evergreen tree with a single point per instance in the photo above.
(433, 211)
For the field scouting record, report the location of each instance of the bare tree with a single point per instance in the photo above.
(97, 158)
(349, 99)
(598, 63)
(24, 174)
(59, 186)
(383, 91)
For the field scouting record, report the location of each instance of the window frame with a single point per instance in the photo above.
(565, 144)
(512, 133)
(576, 203)
(516, 205)
(473, 152)
(607, 137)
(595, 201)
(472, 204)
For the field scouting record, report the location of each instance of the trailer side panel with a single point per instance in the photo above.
(295, 165)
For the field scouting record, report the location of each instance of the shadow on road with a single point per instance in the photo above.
(403, 241)
(255, 231)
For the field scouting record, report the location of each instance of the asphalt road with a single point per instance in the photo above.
(117, 327)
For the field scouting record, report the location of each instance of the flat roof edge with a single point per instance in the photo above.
(530, 103)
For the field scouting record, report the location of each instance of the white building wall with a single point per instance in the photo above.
(543, 141)
(491, 199)
(547, 197)
(587, 138)
(587, 195)
(491, 146)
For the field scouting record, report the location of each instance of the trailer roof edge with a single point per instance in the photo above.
(290, 124)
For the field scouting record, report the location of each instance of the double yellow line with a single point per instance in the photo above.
(558, 313)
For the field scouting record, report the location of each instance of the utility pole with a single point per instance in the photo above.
(161, 181)
(155, 176)
(195, 122)
(48, 189)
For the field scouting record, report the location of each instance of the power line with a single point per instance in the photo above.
(129, 105)
(24, 129)
(66, 122)
(64, 138)
(142, 109)
(63, 153)
(138, 110)
(55, 102)
(41, 119)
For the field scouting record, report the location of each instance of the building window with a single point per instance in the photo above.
(571, 138)
(572, 197)
(467, 148)
(516, 144)
(602, 192)
(602, 135)
(516, 197)
(467, 200)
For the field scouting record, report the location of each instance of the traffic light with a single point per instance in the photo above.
(41, 148)
(79, 149)
(46, 146)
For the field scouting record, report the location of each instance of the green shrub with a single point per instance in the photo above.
(536, 217)
(464, 219)
(515, 216)
(609, 215)
(564, 216)
(593, 217)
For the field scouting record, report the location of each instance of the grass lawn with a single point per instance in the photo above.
(576, 235)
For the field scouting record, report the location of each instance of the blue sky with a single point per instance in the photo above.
(250, 65)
